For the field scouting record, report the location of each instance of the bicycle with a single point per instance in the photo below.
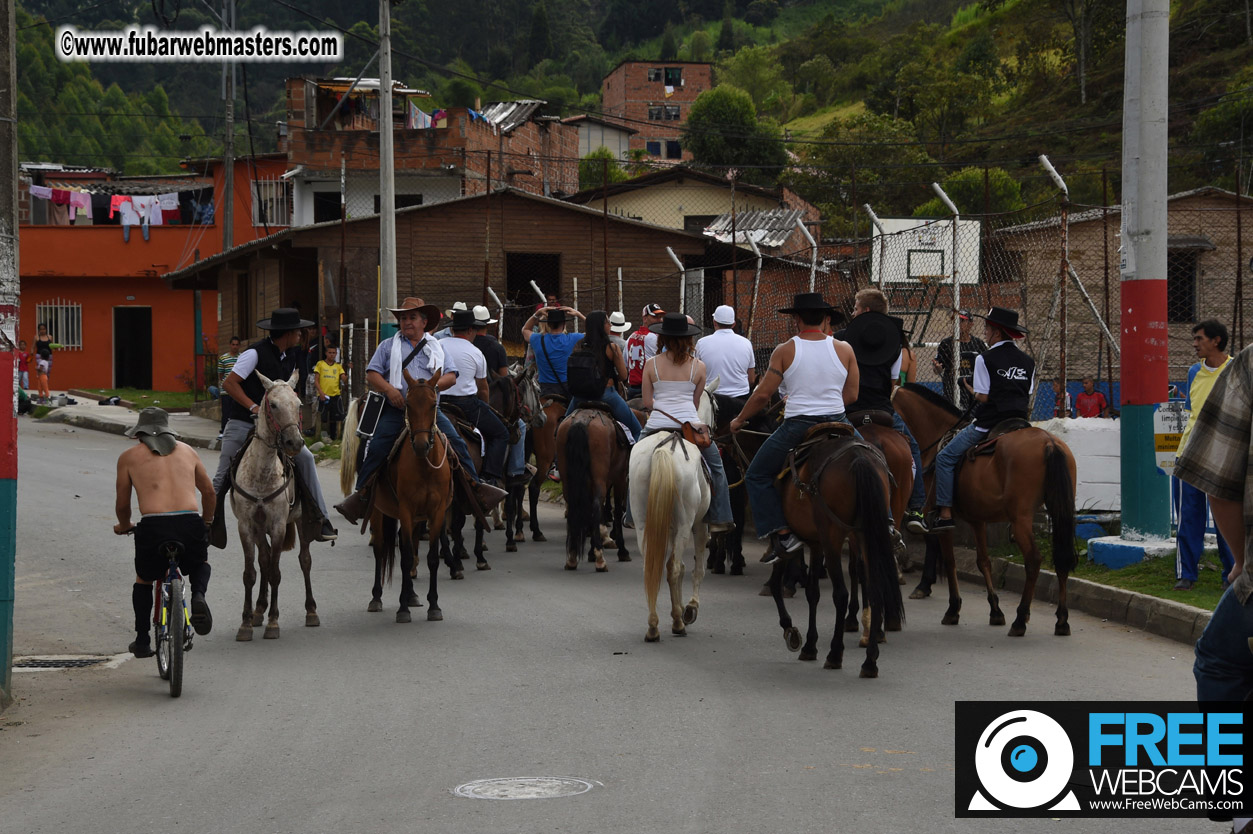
(172, 609)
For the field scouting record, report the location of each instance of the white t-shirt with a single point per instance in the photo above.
(728, 356)
(468, 362)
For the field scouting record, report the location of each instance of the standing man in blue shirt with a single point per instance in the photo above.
(552, 349)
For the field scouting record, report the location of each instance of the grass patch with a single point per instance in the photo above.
(142, 398)
(813, 124)
(329, 451)
(38, 412)
(1153, 577)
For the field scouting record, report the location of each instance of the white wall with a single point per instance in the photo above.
(1095, 443)
(362, 188)
(593, 136)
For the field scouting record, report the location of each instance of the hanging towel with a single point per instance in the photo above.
(58, 214)
(40, 191)
(60, 197)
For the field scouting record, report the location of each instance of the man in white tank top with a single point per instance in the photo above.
(821, 375)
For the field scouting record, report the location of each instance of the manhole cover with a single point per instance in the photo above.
(50, 662)
(524, 787)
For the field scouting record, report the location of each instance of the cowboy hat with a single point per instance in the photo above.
(482, 317)
(1006, 320)
(462, 320)
(875, 337)
(284, 318)
(556, 316)
(153, 429)
(429, 311)
(811, 302)
(457, 305)
(618, 323)
(674, 324)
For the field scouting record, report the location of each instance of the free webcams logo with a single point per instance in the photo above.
(1100, 759)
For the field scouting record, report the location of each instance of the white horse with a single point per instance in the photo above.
(669, 497)
(266, 501)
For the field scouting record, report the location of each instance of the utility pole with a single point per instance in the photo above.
(9, 298)
(228, 155)
(387, 171)
(1145, 491)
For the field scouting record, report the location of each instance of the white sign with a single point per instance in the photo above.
(1169, 418)
(910, 249)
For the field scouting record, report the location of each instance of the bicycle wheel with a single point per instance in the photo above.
(163, 637)
(174, 627)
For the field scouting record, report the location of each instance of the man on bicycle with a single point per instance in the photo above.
(165, 474)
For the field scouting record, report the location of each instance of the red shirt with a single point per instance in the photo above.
(635, 356)
(1090, 405)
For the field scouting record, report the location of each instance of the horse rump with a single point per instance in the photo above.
(1060, 503)
(348, 450)
(660, 515)
(882, 586)
(583, 510)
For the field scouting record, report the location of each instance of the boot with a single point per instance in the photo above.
(354, 506)
(488, 495)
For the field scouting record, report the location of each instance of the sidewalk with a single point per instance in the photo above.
(115, 419)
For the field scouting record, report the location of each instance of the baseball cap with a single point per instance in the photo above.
(653, 310)
(964, 315)
(724, 314)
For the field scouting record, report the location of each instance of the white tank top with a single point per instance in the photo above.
(672, 396)
(815, 379)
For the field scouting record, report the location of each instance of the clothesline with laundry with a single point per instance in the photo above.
(175, 207)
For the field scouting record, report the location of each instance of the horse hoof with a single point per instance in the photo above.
(765, 591)
(996, 619)
(258, 618)
(720, 569)
(869, 672)
(572, 565)
(792, 636)
(403, 616)
(851, 625)
(375, 606)
(652, 637)
(863, 642)
(538, 537)
(458, 574)
(519, 537)
(435, 616)
(510, 547)
(1017, 630)
(413, 601)
(900, 580)
(808, 655)
(1062, 630)
(602, 568)
(271, 632)
(482, 566)
(311, 620)
(678, 632)
(893, 625)
(920, 593)
(624, 557)
(737, 570)
(833, 664)
(486, 547)
(788, 593)
(689, 614)
(244, 635)
(949, 619)
(499, 525)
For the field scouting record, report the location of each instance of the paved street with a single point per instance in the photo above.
(363, 724)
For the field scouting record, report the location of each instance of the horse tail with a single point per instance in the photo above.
(660, 517)
(882, 585)
(576, 487)
(348, 451)
(1059, 500)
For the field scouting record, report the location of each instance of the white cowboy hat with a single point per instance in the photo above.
(618, 323)
(482, 316)
(457, 305)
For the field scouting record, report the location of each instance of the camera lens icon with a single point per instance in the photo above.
(1024, 760)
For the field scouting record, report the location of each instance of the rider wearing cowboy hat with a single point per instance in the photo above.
(385, 376)
(1004, 377)
(821, 375)
(274, 357)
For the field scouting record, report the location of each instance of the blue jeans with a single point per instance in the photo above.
(1224, 664)
(391, 423)
(515, 461)
(617, 406)
(919, 496)
(495, 435)
(1193, 512)
(720, 494)
(948, 458)
(759, 480)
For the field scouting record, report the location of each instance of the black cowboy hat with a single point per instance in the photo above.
(1006, 320)
(556, 316)
(674, 324)
(284, 318)
(463, 320)
(812, 302)
(875, 337)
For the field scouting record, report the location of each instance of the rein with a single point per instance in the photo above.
(289, 470)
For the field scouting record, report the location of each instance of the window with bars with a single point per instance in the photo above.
(654, 114)
(64, 320)
(1181, 286)
(672, 113)
(673, 150)
(271, 202)
(674, 76)
(654, 73)
(653, 147)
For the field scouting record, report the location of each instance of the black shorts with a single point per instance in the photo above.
(151, 532)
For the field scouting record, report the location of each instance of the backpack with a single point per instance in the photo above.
(584, 375)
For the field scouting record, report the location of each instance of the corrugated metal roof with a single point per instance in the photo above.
(140, 188)
(769, 228)
(507, 115)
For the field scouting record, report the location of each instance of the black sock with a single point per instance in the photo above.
(141, 599)
(200, 578)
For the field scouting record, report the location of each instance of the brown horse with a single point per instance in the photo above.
(591, 465)
(841, 492)
(415, 487)
(541, 440)
(1029, 468)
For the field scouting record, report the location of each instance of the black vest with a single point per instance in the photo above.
(1009, 393)
(874, 385)
(270, 363)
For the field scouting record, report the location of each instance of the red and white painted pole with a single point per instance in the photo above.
(9, 286)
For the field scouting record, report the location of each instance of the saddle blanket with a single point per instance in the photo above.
(626, 433)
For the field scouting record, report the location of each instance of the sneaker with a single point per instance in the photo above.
(1183, 585)
(915, 523)
(328, 533)
(942, 525)
(553, 474)
(143, 649)
(201, 618)
(785, 547)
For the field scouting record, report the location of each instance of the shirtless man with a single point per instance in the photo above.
(165, 474)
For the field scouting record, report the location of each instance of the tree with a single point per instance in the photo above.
(973, 194)
(700, 47)
(817, 76)
(723, 130)
(726, 35)
(540, 44)
(761, 12)
(592, 169)
(1224, 132)
(669, 49)
(755, 71)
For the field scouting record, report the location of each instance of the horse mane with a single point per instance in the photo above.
(937, 400)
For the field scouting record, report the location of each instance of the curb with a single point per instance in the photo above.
(1165, 618)
(59, 415)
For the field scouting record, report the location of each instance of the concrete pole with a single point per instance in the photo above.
(387, 171)
(228, 154)
(9, 298)
(955, 370)
(1145, 490)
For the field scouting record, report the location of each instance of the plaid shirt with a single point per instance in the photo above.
(1218, 459)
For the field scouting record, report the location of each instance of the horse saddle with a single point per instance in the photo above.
(988, 446)
(624, 442)
(876, 416)
(676, 443)
(217, 530)
(814, 437)
(553, 399)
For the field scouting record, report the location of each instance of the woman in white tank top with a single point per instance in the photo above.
(673, 382)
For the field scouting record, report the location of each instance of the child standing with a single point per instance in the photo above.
(328, 375)
(23, 364)
(43, 363)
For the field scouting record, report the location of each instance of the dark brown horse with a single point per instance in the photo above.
(841, 492)
(592, 466)
(1029, 468)
(541, 440)
(415, 488)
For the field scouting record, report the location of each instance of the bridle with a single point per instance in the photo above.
(275, 427)
(430, 431)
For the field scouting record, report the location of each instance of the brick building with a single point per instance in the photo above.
(655, 98)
